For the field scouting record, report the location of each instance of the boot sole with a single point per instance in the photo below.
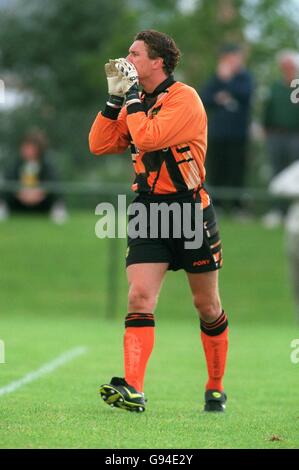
(114, 398)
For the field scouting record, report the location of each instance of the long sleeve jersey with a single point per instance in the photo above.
(167, 135)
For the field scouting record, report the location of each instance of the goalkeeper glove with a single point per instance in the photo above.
(130, 80)
(114, 79)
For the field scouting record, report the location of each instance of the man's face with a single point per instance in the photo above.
(235, 61)
(288, 68)
(138, 56)
(29, 151)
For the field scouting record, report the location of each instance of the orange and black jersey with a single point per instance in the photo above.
(167, 135)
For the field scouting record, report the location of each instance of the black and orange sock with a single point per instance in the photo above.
(139, 341)
(214, 338)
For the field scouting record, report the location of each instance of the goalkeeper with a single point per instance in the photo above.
(165, 126)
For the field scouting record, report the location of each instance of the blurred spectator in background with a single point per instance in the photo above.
(286, 185)
(281, 122)
(28, 172)
(226, 97)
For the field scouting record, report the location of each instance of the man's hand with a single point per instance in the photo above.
(224, 98)
(130, 81)
(128, 72)
(114, 79)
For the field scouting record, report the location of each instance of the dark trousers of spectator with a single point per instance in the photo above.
(283, 150)
(226, 165)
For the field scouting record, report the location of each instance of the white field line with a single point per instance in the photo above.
(43, 370)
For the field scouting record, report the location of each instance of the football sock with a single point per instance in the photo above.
(139, 341)
(214, 338)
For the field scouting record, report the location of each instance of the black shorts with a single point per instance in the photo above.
(172, 250)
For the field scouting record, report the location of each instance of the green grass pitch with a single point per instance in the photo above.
(53, 296)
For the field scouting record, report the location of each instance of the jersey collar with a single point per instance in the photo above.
(160, 88)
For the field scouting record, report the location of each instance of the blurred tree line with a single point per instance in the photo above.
(53, 51)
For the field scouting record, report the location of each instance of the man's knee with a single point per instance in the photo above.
(141, 299)
(208, 307)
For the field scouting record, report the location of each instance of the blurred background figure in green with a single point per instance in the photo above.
(27, 173)
(227, 98)
(281, 123)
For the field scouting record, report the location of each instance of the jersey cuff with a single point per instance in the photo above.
(135, 108)
(111, 113)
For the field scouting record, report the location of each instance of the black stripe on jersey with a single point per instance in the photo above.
(185, 161)
(173, 171)
(183, 149)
